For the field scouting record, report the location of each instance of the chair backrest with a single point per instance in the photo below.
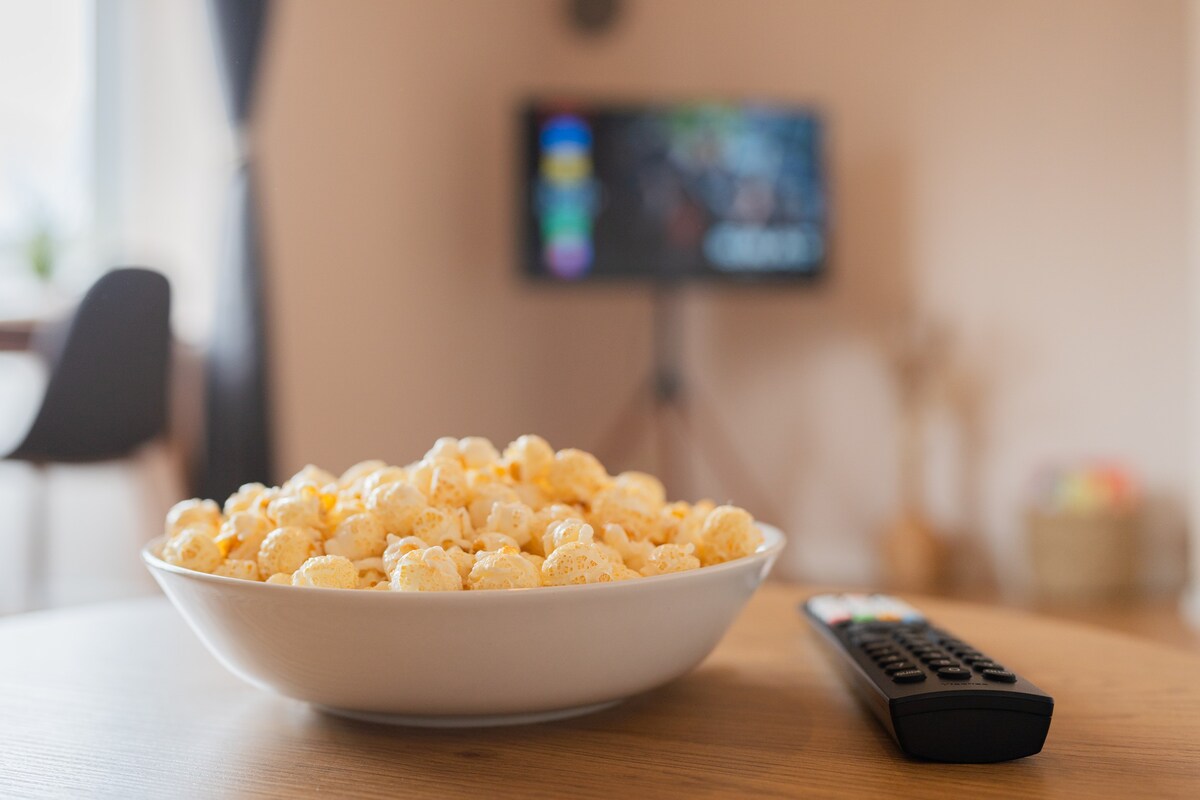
(107, 391)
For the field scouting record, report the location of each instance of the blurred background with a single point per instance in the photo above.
(915, 282)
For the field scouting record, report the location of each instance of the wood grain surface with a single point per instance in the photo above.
(122, 701)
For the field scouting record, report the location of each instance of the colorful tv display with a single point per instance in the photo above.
(671, 192)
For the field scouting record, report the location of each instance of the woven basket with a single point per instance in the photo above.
(1084, 557)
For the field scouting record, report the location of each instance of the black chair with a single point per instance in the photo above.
(107, 388)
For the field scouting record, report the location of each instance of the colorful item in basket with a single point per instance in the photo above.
(1086, 489)
(464, 517)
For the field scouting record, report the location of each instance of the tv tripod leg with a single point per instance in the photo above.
(727, 463)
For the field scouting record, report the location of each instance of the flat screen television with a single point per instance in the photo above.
(672, 192)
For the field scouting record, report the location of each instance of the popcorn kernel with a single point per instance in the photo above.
(728, 533)
(326, 572)
(429, 570)
(193, 548)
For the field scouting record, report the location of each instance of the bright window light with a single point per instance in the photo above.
(45, 130)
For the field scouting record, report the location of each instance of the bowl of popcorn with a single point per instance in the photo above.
(472, 587)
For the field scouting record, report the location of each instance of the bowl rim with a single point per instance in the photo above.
(772, 546)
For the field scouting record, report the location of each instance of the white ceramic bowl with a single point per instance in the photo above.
(465, 658)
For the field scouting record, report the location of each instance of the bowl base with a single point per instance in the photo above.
(467, 720)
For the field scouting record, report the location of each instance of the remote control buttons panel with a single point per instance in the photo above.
(912, 652)
(844, 609)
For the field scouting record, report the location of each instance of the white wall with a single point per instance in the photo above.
(1013, 171)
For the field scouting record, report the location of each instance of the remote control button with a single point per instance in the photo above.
(980, 666)
(908, 676)
(938, 663)
(867, 638)
(999, 675)
(977, 658)
(869, 646)
(877, 654)
(954, 673)
(932, 655)
(883, 662)
(898, 666)
(922, 650)
(972, 655)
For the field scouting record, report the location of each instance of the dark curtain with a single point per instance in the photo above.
(238, 441)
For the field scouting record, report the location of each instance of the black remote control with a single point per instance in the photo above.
(939, 697)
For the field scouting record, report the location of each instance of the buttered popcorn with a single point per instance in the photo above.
(286, 549)
(577, 562)
(242, 534)
(466, 516)
(193, 548)
(357, 537)
(503, 569)
(193, 514)
(670, 558)
(728, 532)
(327, 572)
(428, 570)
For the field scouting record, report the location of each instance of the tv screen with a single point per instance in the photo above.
(670, 192)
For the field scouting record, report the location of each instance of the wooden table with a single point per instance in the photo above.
(122, 701)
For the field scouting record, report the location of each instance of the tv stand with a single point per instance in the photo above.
(672, 402)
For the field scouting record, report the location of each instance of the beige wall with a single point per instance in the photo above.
(1191, 599)
(1010, 170)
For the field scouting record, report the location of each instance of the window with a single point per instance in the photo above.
(45, 144)
(114, 150)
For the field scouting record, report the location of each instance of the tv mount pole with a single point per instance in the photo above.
(666, 374)
(670, 397)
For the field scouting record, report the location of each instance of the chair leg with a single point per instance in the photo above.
(37, 572)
